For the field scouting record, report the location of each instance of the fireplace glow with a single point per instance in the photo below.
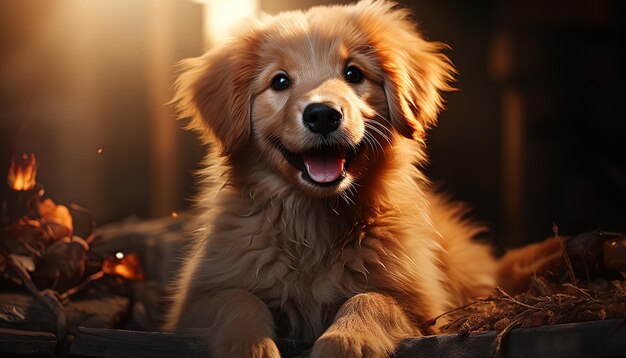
(127, 266)
(57, 217)
(22, 173)
(40, 250)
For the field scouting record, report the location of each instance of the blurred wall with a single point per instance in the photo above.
(560, 69)
(79, 75)
(534, 135)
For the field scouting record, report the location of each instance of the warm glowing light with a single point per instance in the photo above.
(119, 255)
(22, 172)
(57, 216)
(128, 266)
(174, 214)
(221, 15)
(100, 150)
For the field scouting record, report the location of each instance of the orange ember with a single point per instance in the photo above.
(127, 267)
(22, 172)
(58, 217)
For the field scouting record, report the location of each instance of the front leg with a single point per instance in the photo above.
(235, 322)
(367, 325)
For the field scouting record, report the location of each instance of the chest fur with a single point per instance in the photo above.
(296, 265)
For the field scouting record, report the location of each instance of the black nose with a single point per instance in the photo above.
(321, 118)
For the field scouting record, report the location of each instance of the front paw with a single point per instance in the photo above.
(262, 348)
(348, 345)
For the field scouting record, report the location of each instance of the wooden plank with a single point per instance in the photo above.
(584, 339)
(13, 341)
(23, 311)
(93, 342)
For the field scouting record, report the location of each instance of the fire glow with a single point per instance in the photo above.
(40, 244)
(125, 265)
(22, 172)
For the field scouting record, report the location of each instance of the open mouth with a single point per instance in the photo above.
(324, 165)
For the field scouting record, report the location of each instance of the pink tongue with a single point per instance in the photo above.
(324, 167)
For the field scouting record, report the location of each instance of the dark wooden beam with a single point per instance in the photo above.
(585, 339)
(24, 312)
(571, 340)
(27, 343)
(93, 342)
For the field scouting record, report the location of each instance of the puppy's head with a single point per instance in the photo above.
(318, 96)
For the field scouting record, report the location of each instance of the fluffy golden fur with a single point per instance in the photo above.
(354, 266)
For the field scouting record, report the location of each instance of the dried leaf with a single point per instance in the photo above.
(57, 218)
(62, 266)
(24, 237)
(614, 254)
(26, 261)
(11, 313)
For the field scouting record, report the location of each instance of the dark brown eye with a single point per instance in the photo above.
(280, 82)
(353, 74)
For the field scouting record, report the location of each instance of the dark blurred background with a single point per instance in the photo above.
(536, 133)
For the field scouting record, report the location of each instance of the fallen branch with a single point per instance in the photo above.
(96, 276)
(47, 297)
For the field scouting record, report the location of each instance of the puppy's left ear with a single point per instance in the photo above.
(415, 72)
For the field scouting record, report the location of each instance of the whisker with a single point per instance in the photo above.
(370, 126)
(371, 141)
(382, 117)
(382, 125)
(345, 198)
(367, 140)
(393, 134)
(376, 140)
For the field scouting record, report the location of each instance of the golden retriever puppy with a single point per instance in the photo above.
(315, 220)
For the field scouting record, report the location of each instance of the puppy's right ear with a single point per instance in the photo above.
(214, 91)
